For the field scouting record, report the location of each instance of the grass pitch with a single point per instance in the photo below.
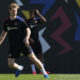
(40, 77)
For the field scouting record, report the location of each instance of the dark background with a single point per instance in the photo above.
(66, 62)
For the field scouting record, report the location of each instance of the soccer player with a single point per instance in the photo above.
(18, 35)
(34, 24)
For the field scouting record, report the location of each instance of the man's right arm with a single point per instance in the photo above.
(2, 36)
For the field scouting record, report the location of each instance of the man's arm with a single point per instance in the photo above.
(26, 40)
(2, 36)
(41, 17)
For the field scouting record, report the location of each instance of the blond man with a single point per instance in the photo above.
(18, 35)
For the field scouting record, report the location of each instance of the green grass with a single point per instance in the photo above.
(40, 77)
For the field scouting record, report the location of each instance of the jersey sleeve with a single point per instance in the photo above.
(23, 22)
(4, 26)
(39, 21)
(25, 25)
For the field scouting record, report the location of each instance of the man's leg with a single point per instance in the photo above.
(41, 58)
(38, 63)
(33, 67)
(13, 64)
(37, 48)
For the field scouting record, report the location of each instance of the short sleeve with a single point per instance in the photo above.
(4, 26)
(23, 22)
(25, 25)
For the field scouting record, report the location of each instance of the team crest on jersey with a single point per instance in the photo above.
(15, 24)
(35, 21)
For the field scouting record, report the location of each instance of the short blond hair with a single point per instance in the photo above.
(13, 5)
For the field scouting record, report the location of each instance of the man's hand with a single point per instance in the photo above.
(37, 12)
(2, 36)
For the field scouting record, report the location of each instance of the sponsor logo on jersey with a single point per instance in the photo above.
(11, 28)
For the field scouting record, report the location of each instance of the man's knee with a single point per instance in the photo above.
(11, 62)
(32, 57)
(10, 65)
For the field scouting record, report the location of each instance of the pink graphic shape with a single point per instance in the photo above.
(66, 24)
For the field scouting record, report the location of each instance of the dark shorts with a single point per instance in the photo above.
(18, 48)
(37, 48)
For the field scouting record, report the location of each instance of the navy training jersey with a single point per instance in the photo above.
(16, 29)
(34, 27)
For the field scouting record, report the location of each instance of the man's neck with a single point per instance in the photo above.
(12, 17)
(33, 19)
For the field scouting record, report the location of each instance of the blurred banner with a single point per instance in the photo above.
(60, 36)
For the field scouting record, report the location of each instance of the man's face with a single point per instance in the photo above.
(32, 15)
(13, 11)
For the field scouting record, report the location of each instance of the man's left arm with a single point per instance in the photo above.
(27, 37)
(43, 19)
